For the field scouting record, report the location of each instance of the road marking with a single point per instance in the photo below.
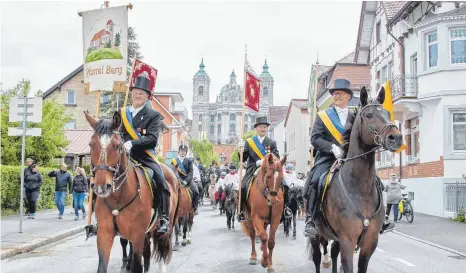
(404, 262)
(379, 249)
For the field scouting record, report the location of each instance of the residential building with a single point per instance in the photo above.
(277, 115)
(297, 122)
(220, 121)
(419, 48)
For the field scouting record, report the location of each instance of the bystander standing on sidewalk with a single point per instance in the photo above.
(32, 183)
(394, 196)
(62, 182)
(29, 162)
(80, 191)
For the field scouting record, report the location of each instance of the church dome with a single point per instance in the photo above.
(265, 71)
(231, 92)
(201, 71)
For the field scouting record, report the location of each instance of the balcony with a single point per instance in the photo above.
(404, 86)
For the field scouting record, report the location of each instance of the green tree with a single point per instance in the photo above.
(118, 99)
(204, 150)
(117, 39)
(45, 148)
(235, 154)
(108, 44)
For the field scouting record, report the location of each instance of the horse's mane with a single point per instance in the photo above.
(347, 132)
(104, 126)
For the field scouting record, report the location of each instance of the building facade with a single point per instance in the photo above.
(220, 121)
(419, 48)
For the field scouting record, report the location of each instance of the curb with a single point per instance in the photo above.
(430, 243)
(41, 242)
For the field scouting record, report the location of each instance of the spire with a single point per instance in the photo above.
(265, 70)
(233, 77)
(201, 66)
(201, 71)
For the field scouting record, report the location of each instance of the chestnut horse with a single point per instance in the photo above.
(124, 203)
(185, 217)
(352, 211)
(265, 207)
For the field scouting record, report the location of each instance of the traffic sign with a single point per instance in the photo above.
(29, 131)
(33, 109)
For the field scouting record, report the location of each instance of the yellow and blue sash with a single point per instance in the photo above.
(332, 122)
(256, 146)
(127, 118)
(179, 166)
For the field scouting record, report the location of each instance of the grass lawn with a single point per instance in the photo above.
(103, 54)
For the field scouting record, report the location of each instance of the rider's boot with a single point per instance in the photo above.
(387, 225)
(195, 205)
(241, 217)
(310, 229)
(164, 225)
(286, 201)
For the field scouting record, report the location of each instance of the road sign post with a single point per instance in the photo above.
(31, 107)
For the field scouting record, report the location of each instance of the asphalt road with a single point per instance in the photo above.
(215, 249)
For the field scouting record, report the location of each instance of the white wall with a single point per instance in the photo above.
(298, 123)
(279, 136)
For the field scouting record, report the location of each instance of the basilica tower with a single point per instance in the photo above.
(266, 98)
(201, 86)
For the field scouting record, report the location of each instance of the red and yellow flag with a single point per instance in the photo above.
(252, 91)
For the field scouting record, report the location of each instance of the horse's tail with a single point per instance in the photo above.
(161, 248)
(245, 229)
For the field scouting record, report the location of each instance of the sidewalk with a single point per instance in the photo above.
(44, 229)
(438, 230)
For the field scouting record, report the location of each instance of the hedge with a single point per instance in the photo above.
(11, 180)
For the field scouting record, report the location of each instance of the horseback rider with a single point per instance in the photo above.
(324, 138)
(232, 178)
(145, 122)
(253, 153)
(185, 170)
(201, 167)
(214, 168)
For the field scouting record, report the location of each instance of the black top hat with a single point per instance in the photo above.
(261, 120)
(183, 147)
(343, 85)
(142, 83)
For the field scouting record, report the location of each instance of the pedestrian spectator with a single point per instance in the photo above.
(393, 189)
(32, 183)
(80, 191)
(29, 162)
(62, 182)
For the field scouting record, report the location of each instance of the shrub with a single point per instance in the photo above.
(11, 180)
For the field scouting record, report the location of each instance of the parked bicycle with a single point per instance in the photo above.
(405, 208)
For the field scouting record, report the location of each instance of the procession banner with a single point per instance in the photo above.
(144, 70)
(105, 48)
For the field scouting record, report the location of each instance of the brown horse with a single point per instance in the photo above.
(352, 211)
(265, 207)
(185, 217)
(124, 203)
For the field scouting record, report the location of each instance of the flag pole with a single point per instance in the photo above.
(130, 79)
(314, 107)
(241, 149)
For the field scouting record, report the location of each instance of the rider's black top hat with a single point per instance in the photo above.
(261, 120)
(183, 147)
(343, 85)
(142, 82)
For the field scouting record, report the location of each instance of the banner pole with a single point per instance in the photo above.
(130, 79)
(242, 128)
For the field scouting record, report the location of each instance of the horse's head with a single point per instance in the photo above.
(296, 192)
(373, 125)
(107, 153)
(272, 175)
(213, 178)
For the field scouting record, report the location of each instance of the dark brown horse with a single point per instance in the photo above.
(265, 207)
(124, 203)
(185, 217)
(352, 211)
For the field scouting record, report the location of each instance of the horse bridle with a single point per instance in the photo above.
(378, 139)
(117, 176)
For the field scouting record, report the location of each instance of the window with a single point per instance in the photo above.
(432, 49)
(71, 124)
(458, 45)
(232, 117)
(199, 128)
(232, 129)
(414, 139)
(377, 80)
(200, 118)
(201, 90)
(414, 64)
(245, 128)
(383, 75)
(265, 92)
(212, 129)
(212, 118)
(458, 131)
(386, 158)
(390, 71)
(70, 97)
(219, 130)
(378, 27)
(104, 99)
(219, 117)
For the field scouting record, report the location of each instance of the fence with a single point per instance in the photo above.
(455, 196)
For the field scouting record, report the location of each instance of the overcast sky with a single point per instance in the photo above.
(42, 41)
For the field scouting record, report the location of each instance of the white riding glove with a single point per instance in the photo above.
(128, 146)
(241, 143)
(337, 151)
(259, 163)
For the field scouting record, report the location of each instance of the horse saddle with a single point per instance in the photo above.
(148, 173)
(325, 179)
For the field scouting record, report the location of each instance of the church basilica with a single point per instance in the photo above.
(220, 121)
